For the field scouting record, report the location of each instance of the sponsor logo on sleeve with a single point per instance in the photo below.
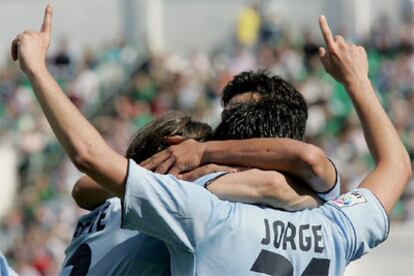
(349, 199)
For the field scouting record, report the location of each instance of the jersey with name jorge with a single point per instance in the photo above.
(208, 236)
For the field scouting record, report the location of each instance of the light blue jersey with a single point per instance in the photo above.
(5, 269)
(101, 247)
(208, 236)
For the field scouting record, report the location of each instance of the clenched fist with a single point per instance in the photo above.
(345, 62)
(30, 47)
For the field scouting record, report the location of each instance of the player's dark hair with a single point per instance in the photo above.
(151, 138)
(281, 111)
(267, 118)
(266, 85)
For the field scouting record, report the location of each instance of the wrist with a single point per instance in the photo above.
(206, 152)
(39, 71)
(357, 84)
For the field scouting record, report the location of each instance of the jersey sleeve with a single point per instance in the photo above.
(335, 191)
(5, 269)
(176, 212)
(362, 220)
(209, 178)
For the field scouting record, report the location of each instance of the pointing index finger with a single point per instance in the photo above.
(326, 32)
(47, 20)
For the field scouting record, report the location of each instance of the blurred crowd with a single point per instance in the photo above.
(120, 90)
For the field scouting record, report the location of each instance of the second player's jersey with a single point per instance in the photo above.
(208, 236)
(101, 247)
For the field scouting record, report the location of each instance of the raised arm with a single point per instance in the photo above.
(348, 64)
(83, 144)
(299, 159)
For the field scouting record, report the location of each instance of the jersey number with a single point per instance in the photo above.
(271, 263)
(80, 260)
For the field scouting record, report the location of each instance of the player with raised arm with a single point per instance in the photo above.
(347, 63)
(205, 235)
(100, 229)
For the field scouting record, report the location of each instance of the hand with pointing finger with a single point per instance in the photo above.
(30, 47)
(345, 62)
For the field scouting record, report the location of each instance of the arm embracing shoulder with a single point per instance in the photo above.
(305, 161)
(264, 187)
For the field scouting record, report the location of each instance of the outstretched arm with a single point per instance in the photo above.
(305, 161)
(83, 144)
(348, 64)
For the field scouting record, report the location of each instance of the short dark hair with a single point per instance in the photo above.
(150, 139)
(266, 118)
(266, 85)
(281, 111)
